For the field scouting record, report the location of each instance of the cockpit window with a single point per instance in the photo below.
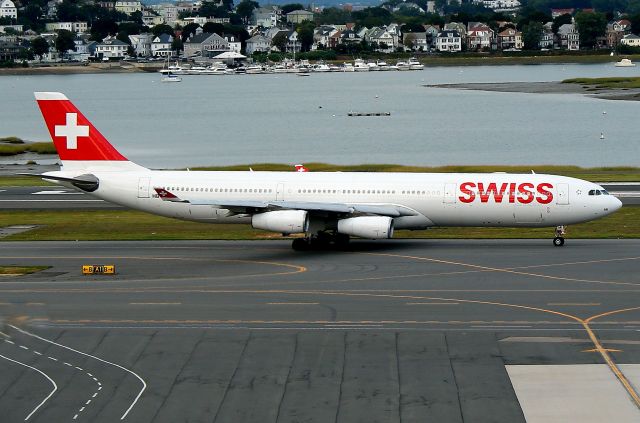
(605, 192)
(598, 192)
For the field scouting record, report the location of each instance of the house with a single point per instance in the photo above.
(559, 12)
(293, 44)
(510, 39)
(77, 27)
(141, 43)
(111, 48)
(459, 27)
(568, 37)
(449, 41)
(385, 40)
(109, 5)
(616, 30)
(169, 13)
(8, 10)
(128, 7)
(502, 5)
(205, 44)
(321, 36)
(631, 40)
(546, 39)
(416, 41)
(348, 36)
(298, 16)
(161, 45)
(151, 19)
(233, 43)
(479, 36)
(10, 51)
(408, 7)
(14, 28)
(432, 32)
(258, 43)
(266, 17)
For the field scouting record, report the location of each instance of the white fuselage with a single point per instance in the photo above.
(439, 199)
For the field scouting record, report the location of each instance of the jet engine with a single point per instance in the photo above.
(283, 221)
(371, 227)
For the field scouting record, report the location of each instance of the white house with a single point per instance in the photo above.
(161, 45)
(569, 37)
(234, 43)
(385, 40)
(8, 10)
(141, 43)
(77, 27)
(479, 36)
(630, 40)
(448, 41)
(151, 19)
(111, 48)
(258, 43)
(266, 17)
(128, 7)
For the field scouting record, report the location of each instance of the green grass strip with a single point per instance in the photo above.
(610, 83)
(111, 225)
(21, 270)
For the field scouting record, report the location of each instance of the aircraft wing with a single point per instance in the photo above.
(251, 206)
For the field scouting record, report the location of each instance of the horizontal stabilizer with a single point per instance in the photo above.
(86, 182)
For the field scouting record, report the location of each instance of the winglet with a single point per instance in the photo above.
(168, 196)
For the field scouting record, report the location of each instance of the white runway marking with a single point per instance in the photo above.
(55, 387)
(23, 347)
(10, 342)
(144, 384)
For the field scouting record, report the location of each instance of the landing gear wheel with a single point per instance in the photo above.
(558, 241)
(341, 240)
(300, 244)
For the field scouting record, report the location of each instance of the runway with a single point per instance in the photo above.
(393, 331)
(50, 198)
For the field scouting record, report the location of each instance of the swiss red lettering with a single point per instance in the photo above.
(525, 193)
(546, 196)
(467, 195)
(492, 189)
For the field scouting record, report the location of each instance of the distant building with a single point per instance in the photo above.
(205, 44)
(151, 19)
(8, 10)
(77, 27)
(161, 45)
(416, 41)
(141, 43)
(510, 39)
(266, 17)
(128, 7)
(449, 41)
(479, 36)
(16, 28)
(258, 43)
(631, 40)
(233, 43)
(616, 30)
(546, 39)
(111, 48)
(568, 37)
(298, 16)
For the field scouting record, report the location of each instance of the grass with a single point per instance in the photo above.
(21, 270)
(11, 140)
(23, 181)
(12, 149)
(134, 225)
(607, 83)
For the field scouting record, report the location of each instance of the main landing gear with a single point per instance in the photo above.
(321, 241)
(558, 241)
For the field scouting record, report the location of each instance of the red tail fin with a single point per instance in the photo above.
(74, 136)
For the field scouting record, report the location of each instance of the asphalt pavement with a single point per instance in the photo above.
(241, 331)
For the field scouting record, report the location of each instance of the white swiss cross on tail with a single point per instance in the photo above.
(72, 131)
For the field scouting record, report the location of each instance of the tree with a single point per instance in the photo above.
(245, 9)
(64, 41)
(531, 35)
(280, 41)
(559, 21)
(189, 30)
(40, 47)
(372, 16)
(177, 45)
(591, 25)
(101, 28)
(124, 37)
(161, 29)
(213, 28)
(305, 34)
(287, 8)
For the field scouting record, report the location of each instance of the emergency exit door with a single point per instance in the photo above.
(143, 188)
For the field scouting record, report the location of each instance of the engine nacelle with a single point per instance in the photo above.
(283, 221)
(371, 227)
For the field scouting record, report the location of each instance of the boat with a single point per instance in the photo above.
(348, 67)
(196, 70)
(170, 78)
(625, 63)
(403, 66)
(360, 66)
(320, 67)
(173, 69)
(335, 68)
(414, 64)
(254, 69)
(382, 65)
(373, 66)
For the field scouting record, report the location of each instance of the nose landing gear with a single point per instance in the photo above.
(558, 241)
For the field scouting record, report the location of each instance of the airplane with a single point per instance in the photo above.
(327, 208)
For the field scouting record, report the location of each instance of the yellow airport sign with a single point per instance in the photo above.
(99, 269)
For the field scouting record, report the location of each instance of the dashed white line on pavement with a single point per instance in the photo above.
(10, 342)
(52, 358)
(23, 347)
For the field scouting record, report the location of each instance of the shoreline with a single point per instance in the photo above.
(428, 61)
(557, 87)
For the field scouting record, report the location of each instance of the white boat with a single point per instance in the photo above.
(348, 67)
(625, 63)
(170, 78)
(254, 69)
(173, 69)
(403, 66)
(360, 66)
(196, 70)
(320, 67)
(414, 64)
(373, 66)
(280, 69)
(335, 68)
(382, 65)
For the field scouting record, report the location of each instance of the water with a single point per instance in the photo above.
(220, 120)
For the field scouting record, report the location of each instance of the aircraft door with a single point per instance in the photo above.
(450, 193)
(143, 188)
(280, 192)
(562, 191)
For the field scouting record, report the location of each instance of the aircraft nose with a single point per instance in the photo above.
(617, 204)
